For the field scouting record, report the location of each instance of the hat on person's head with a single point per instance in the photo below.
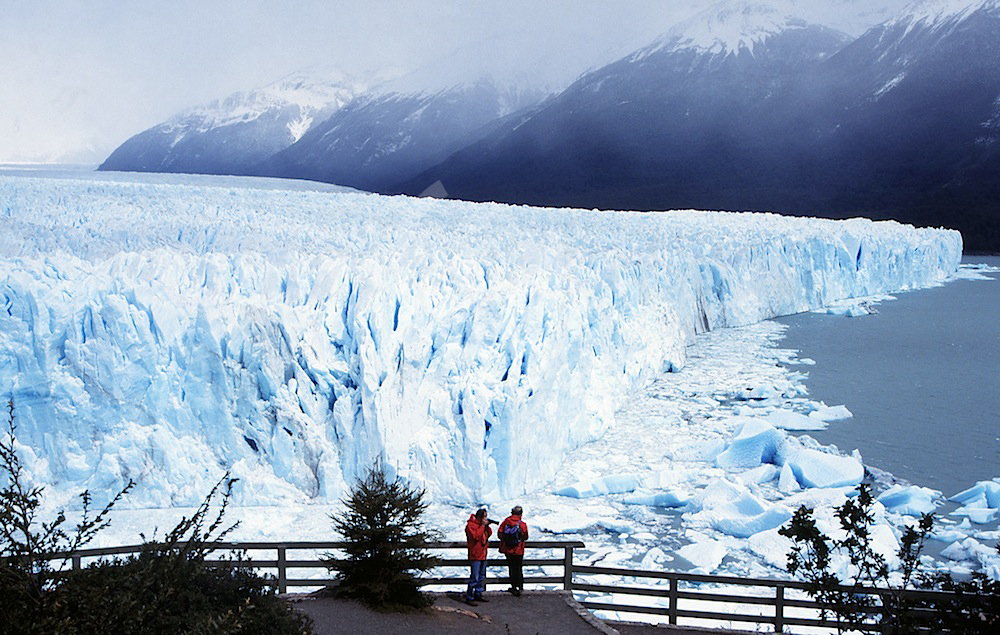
(517, 511)
(481, 513)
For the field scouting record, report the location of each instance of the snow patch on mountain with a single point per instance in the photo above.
(889, 85)
(939, 11)
(728, 27)
(731, 26)
(992, 126)
(312, 91)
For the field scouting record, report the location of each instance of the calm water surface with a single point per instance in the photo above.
(922, 378)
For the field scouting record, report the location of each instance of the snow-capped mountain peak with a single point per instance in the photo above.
(729, 27)
(938, 12)
(312, 91)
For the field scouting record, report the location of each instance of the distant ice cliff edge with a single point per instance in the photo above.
(168, 332)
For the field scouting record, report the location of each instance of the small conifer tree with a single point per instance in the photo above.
(386, 543)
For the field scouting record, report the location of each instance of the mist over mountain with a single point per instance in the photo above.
(694, 115)
(756, 109)
(384, 139)
(833, 109)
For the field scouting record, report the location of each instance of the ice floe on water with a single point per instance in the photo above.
(912, 500)
(975, 271)
(980, 503)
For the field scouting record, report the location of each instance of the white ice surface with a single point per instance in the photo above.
(912, 500)
(813, 468)
(705, 554)
(982, 494)
(831, 413)
(670, 415)
(757, 442)
(330, 329)
(168, 332)
(789, 420)
(976, 555)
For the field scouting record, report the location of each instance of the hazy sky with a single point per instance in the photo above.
(78, 77)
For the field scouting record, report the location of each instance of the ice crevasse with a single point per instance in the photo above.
(167, 333)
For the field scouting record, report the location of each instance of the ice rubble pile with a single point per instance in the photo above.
(167, 332)
(764, 474)
(980, 503)
(757, 454)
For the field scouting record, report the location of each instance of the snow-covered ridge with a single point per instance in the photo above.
(936, 12)
(731, 26)
(314, 92)
(167, 332)
(728, 27)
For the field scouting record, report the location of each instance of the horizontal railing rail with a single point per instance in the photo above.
(285, 567)
(677, 601)
(677, 594)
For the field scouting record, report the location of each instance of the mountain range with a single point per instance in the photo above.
(749, 105)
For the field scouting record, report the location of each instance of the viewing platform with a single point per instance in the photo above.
(561, 596)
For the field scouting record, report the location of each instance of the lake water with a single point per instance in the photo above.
(922, 378)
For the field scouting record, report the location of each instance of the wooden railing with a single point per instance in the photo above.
(284, 560)
(780, 603)
(707, 599)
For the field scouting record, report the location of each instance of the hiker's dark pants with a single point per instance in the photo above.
(477, 579)
(514, 568)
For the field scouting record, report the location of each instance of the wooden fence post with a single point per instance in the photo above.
(567, 568)
(282, 571)
(779, 608)
(673, 600)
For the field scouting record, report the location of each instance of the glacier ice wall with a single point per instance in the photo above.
(166, 332)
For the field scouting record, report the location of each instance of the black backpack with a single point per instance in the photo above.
(510, 535)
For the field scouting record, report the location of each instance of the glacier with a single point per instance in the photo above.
(168, 332)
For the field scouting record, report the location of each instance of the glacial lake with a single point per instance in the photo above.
(922, 378)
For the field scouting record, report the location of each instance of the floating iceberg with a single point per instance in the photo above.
(982, 495)
(831, 413)
(669, 498)
(980, 503)
(704, 553)
(978, 555)
(788, 420)
(614, 484)
(756, 442)
(166, 332)
(731, 509)
(909, 499)
(787, 482)
(813, 468)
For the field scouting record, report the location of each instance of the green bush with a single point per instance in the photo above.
(386, 543)
(974, 606)
(168, 587)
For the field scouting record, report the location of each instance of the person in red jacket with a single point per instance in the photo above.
(513, 532)
(477, 535)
